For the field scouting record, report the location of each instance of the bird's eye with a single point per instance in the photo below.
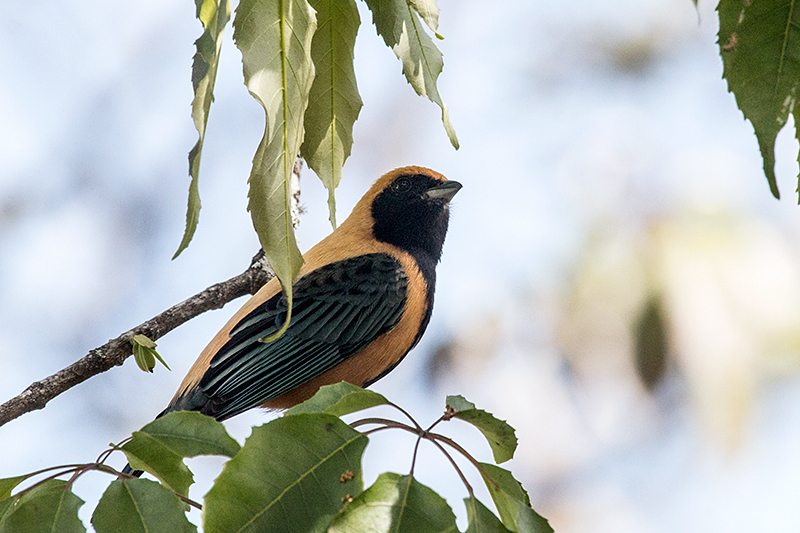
(401, 184)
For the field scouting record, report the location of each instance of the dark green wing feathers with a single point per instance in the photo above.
(338, 309)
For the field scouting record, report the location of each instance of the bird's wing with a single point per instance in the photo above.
(338, 309)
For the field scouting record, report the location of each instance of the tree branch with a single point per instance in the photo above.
(115, 351)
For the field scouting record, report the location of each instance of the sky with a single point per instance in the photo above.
(603, 162)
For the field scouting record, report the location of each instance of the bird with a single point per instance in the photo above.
(362, 300)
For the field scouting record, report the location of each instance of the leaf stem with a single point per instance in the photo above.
(78, 473)
(110, 470)
(453, 462)
(411, 418)
(423, 434)
(188, 500)
(386, 422)
(428, 435)
(113, 447)
(69, 468)
(465, 453)
(43, 470)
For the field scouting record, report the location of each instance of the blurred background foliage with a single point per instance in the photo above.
(618, 283)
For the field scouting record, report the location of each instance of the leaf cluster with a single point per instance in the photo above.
(300, 472)
(297, 58)
(145, 354)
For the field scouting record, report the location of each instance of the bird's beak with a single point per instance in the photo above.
(445, 191)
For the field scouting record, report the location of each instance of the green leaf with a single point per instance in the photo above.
(47, 508)
(396, 503)
(401, 30)
(8, 484)
(143, 340)
(160, 446)
(275, 40)
(760, 48)
(214, 15)
(160, 360)
(339, 399)
(144, 358)
(334, 103)
(6, 506)
(532, 522)
(322, 524)
(140, 506)
(500, 435)
(144, 353)
(458, 403)
(512, 502)
(506, 492)
(481, 519)
(428, 10)
(289, 475)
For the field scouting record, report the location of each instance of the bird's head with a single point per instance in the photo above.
(410, 209)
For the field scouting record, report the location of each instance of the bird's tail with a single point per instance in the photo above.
(131, 471)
